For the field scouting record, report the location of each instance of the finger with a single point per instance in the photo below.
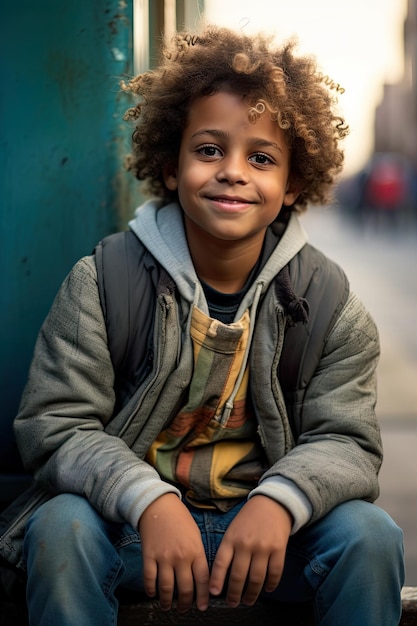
(185, 589)
(238, 575)
(220, 568)
(201, 580)
(255, 580)
(166, 580)
(150, 571)
(274, 574)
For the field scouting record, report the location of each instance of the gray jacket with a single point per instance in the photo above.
(69, 438)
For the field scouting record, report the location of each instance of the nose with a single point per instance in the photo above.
(233, 169)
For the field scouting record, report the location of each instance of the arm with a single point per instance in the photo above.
(67, 402)
(338, 449)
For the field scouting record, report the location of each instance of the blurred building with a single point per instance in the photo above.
(153, 19)
(396, 115)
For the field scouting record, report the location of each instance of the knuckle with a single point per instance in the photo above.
(257, 580)
(236, 578)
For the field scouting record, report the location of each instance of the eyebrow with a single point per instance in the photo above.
(257, 141)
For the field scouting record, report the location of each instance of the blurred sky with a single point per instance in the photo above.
(358, 43)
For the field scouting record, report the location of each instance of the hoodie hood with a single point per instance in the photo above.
(161, 229)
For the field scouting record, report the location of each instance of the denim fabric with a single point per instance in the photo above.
(350, 564)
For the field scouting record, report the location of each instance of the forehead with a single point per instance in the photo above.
(217, 103)
(231, 112)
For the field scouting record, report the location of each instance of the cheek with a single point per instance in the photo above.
(190, 179)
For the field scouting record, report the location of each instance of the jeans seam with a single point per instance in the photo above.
(109, 583)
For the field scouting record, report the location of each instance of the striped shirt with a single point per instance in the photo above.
(213, 454)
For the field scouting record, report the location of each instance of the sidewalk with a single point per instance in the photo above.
(398, 480)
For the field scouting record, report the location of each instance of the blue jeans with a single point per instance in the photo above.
(349, 564)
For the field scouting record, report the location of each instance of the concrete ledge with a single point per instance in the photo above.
(148, 613)
(409, 598)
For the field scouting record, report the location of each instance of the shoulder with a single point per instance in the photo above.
(327, 286)
(323, 283)
(310, 268)
(355, 325)
(76, 299)
(123, 252)
(81, 281)
(123, 240)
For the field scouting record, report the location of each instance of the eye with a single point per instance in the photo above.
(209, 150)
(260, 158)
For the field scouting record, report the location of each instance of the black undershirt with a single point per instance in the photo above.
(223, 306)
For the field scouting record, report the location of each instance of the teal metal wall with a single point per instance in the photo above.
(62, 184)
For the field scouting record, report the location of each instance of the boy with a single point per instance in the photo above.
(192, 473)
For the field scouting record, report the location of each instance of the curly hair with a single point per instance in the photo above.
(297, 95)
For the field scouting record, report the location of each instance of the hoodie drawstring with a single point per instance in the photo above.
(252, 317)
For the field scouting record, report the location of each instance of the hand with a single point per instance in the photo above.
(173, 554)
(252, 551)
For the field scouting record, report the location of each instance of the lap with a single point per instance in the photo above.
(311, 552)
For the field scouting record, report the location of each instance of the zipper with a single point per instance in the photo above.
(276, 392)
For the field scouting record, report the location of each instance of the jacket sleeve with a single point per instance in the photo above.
(67, 402)
(338, 450)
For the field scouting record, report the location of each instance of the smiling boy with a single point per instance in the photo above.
(207, 478)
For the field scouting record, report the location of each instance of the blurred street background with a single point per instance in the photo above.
(381, 266)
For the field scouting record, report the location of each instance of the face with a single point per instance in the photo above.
(232, 175)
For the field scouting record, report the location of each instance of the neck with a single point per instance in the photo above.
(224, 265)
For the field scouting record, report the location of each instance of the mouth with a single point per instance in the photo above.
(230, 199)
(230, 203)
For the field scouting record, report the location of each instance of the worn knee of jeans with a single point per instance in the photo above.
(66, 538)
(376, 538)
(73, 567)
(367, 543)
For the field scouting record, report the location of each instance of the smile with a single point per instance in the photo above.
(230, 200)
(230, 203)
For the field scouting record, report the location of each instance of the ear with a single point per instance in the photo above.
(169, 173)
(292, 192)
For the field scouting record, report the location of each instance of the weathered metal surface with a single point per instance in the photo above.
(61, 171)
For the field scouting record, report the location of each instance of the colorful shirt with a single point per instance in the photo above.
(210, 448)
